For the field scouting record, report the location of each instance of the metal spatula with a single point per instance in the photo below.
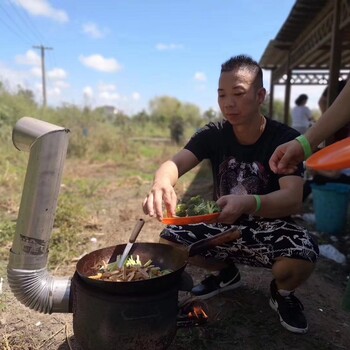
(132, 240)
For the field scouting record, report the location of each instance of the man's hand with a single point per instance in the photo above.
(233, 206)
(286, 158)
(153, 203)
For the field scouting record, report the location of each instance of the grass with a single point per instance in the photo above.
(7, 231)
(105, 145)
(126, 165)
(81, 199)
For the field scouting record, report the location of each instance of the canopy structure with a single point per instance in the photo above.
(311, 48)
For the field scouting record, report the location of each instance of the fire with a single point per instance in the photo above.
(198, 313)
(192, 316)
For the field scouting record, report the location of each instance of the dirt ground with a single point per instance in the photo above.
(240, 319)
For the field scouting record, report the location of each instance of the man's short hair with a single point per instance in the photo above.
(246, 62)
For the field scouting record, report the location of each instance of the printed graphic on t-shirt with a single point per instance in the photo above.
(241, 178)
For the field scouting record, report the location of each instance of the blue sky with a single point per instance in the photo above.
(126, 52)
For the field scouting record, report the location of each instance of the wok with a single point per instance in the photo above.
(162, 255)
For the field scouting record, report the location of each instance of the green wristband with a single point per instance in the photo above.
(304, 142)
(258, 202)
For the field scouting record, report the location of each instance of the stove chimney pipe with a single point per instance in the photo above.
(27, 272)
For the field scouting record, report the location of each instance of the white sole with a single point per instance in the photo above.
(218, 291)
(292, 329)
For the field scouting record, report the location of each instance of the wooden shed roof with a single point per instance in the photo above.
(304, 41)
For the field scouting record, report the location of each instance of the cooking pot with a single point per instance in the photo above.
(166, 257)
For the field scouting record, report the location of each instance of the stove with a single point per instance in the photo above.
(104, 321)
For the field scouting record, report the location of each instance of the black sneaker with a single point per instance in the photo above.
(228, 278)
(289, 309)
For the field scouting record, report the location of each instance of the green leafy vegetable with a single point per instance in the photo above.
(196, 206)
(181, 210)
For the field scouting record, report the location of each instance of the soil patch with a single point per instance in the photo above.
(239, 319)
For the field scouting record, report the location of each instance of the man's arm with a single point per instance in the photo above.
(288, 155)
(164, 181)
(284, 202)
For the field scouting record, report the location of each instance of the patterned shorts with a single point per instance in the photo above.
(262, 241)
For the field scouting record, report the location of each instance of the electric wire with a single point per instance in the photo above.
(26, 20)
(24, 16)
(13, 29)
(22, 25)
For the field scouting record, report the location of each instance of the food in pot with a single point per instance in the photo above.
(196, 206)
(132, 270)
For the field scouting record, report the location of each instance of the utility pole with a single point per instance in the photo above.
(42, 49)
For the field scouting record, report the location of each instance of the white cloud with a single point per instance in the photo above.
(168, 47)
(88, 96)
(29, 58)
(135, 96)
(36, 72)
(88, 92)
(54, 91)
(98, 62)
(38, 88)
(92, 30)
(108, 93)
(12, 78)
(57, 74)
(42, 8)
(31, 79)
(61, 84)
(200, 76)
(102, 87)
(109, 97)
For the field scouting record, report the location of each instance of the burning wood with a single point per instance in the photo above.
(192, 315)
(198, 313)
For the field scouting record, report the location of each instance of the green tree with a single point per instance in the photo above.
(163, 108)
(278, 110)
(210, 115)
(27, 95)
(141, 117)
(176, 129)
(191, 114)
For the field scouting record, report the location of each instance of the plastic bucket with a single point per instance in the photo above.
(330, 203)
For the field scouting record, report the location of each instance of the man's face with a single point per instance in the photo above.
(238, 97)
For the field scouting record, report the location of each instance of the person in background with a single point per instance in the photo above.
(286, 158)
(252, 198)
(301, 114)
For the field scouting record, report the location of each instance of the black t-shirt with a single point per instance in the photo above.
(240, 169)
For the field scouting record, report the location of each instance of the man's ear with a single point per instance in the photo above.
(261, 95)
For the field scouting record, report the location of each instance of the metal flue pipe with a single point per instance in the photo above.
(27, 272)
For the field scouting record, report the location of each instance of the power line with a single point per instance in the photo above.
(14, 29)
(25, 19)
(23, 15)
(42, 49)
(26, 23)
